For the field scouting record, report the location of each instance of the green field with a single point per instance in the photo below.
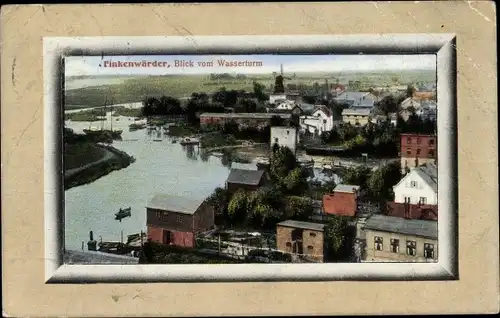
(181, 86)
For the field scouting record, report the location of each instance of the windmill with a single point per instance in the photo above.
(279, 86)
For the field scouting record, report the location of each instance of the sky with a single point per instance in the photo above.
(263, 64)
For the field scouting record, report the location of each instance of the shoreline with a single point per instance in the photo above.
(114, 160)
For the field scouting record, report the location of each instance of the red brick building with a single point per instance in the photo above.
(302, 238)
(174, 220)
(342, 201)
(413, 211)
(417, 149)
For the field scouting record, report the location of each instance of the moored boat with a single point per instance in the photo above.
(123, 213)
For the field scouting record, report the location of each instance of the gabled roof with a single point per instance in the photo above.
(242, 176)
(428, 173)
(174, 203)
(392, 224)
(324, 109)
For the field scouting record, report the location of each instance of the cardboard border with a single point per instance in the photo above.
(24, 289)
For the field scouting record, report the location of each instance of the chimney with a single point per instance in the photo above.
(407, 209)
(91, 236)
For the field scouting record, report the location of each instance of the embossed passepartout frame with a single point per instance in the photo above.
(442, 45)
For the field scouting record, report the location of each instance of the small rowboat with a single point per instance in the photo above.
(123, 213)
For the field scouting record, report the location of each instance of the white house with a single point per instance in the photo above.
(286, 105)
(284, 136)
(425, 109)
(418, 186)
(276, 98)
(319, 121)
(410, 102)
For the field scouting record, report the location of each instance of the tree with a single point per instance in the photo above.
(338, 238)
(375, 183)
(219, 200)
(246, 106)
(357, 176)
(282, 162)
(410, 90)
(296, 181)
(230, 127)
(238, 207)
(337, 108)
(277, 121)
(388, 104)
(298, 208)
(258, 90)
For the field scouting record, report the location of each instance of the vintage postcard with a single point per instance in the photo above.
(263, 158)
(309, 156)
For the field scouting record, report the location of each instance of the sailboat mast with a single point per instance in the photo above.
(102, 120)
(111, 116)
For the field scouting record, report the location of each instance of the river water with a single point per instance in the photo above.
(160, 167)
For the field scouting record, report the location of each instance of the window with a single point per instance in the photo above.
(288, 132)
(158, 214)
(276, 140)
(408, 140)
(288, 244)
(324, 121)
(408, 151)
(428, 250)
(310, 248)
(431, 153)
(411, 248)
(179, 219)
(418, 140)
(395, 245)
(312, 234)
(431, 141)
(423, 200)
(418, 151)
(413, 184)
(378, 243)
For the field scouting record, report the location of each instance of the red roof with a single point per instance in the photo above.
(415, 211)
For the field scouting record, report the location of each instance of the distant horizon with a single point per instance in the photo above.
(256, 74)
(261, 64)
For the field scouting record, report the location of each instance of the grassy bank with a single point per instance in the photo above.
(127, 112)
(182, 130)
(212, 140)
(117, 161)
(85, 115)
(78, 155)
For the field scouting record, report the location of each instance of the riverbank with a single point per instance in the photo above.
(113, 159)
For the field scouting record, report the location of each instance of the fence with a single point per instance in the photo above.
(251, 253)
